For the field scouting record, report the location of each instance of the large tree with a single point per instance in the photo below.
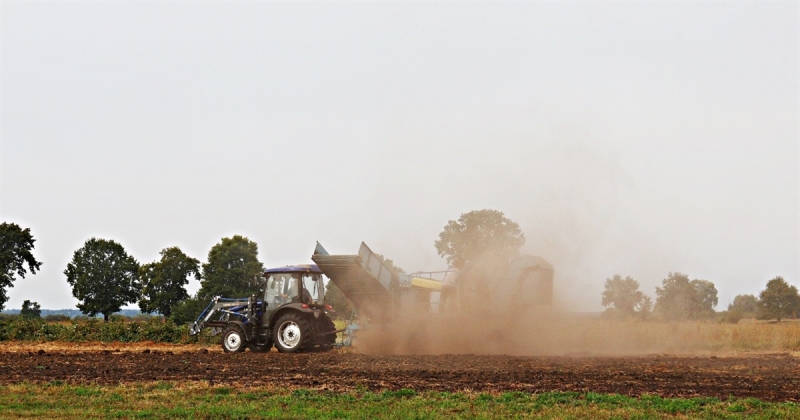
(103, 277)
(624, 296)
(16, 245)
(231, 268)
(778, 300)
(681, 298)
(479, 234)
(164, 281)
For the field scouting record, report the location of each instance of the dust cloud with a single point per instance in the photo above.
(590, 220)
(505, 306)
(549, 332)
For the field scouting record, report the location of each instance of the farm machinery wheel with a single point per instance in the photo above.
(233, 340)
(291, 333)
(324, 339)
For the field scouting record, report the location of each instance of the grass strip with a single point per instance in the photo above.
(199, 400)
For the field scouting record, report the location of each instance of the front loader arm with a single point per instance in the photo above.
(217, 305)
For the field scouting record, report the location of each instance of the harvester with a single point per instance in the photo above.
(382, 295)
(290, 313)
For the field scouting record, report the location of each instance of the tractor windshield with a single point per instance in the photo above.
(293, 288)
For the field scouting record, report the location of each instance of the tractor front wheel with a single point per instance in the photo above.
(291, 333)
(233, 340)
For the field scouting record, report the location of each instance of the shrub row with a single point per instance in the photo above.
(155, 329)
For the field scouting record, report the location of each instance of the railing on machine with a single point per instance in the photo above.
(376, 267)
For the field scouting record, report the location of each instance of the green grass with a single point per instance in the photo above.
(198, 400)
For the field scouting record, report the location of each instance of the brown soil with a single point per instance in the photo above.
(98, 346)
(768, 377)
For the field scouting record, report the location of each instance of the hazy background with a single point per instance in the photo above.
(624, 138)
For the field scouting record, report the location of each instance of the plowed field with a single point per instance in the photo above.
(768, 377)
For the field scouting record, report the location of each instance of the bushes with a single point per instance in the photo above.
(31, 329)
(119, 330)
(56, 318)
(94, 329)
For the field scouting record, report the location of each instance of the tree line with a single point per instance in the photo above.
(104, 277)
(679, 298)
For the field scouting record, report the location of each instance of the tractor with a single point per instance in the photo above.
(289, 312)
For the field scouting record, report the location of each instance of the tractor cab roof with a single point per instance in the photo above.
(300, 268)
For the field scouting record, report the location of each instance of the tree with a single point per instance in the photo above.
(680, 298)
(676, 297)
(706, 297)
(644, 307)
(778, 300)
(747, 305)
(479, 234)
(231, 268)
(743, 306)
(103, 277)
(164, 282)
(624, 295)
(16, 245)
(188, 310)
(30, 310)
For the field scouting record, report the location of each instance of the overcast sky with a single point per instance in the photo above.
(624, 138)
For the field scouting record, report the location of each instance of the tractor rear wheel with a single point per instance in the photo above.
(233, 340)
(325, 340)
(291, 333)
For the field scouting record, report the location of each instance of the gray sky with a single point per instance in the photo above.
(624, 138)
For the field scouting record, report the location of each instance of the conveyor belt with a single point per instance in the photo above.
(363, 278)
